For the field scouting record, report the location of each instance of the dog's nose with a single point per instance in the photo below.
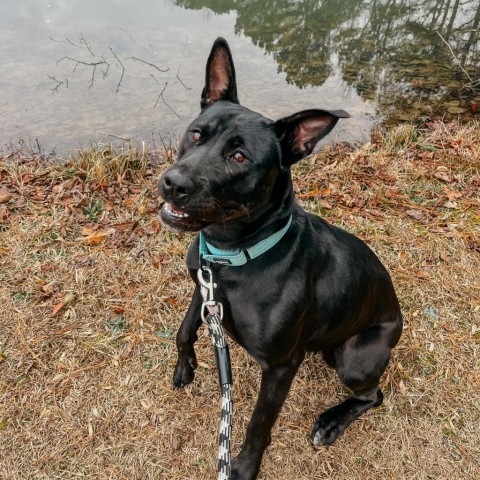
(175, 185)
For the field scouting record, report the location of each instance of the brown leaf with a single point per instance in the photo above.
(416, 214)
(172, 302)
(452, 194)
(57, 308)
(85, 261)
(153, 228)
(420, 274)
(95, 237)
(109, 230)
(130, 203)
(384, 175)
(312, 193)
(427, 155)
(325, 204)
(5, 196)
(177, 442)
(452, 205)
(444, 176)
(375, 213)
(3, 212)
(152, 207)
(67, 201)
(360, 202)
(58, 188)
(88, 229)
(27, 177)
(47, 289)
(134, 189)
(125, 226)
(108, 205)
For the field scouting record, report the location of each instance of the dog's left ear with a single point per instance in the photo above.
(220, 83)
(300, 132)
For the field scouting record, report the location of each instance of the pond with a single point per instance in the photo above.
(84, 71)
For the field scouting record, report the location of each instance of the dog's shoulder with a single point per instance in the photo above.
(333, 236)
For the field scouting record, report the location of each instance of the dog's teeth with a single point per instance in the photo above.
(176, 213)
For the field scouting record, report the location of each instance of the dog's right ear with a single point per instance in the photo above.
(220, 83)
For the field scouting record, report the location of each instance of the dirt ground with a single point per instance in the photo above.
(92, 290)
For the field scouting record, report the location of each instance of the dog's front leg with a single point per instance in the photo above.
(186, 337)
(274, 388)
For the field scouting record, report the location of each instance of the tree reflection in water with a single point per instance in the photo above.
(392, 52)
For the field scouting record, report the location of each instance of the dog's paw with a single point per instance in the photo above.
(326, 430)
(245, 466)
(240, 472)
(184, 371)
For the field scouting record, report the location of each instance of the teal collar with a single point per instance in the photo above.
(236, 258)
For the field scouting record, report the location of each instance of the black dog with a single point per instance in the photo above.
(318, 288)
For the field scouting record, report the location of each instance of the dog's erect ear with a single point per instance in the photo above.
(300, 132)
(220, 81)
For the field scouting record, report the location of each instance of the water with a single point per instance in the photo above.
(381, 60)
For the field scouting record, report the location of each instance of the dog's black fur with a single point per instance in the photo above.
(319, 289)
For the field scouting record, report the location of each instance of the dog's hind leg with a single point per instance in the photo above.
(186, 337)
(359, 363)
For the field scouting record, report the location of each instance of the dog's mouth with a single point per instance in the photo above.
(173, 211)
(177, 219)
(196, 219)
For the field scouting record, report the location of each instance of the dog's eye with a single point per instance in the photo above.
(196, 135)
(239, 157)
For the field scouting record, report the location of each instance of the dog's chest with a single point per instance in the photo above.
(258, 316)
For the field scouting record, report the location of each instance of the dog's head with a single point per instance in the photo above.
(230, 157)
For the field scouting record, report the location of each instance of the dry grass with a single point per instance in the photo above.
(92, 290)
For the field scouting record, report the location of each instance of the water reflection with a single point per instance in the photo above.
(87, 106)
(367, 57)
(412, 57)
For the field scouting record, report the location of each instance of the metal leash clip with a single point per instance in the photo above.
(207, 287)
